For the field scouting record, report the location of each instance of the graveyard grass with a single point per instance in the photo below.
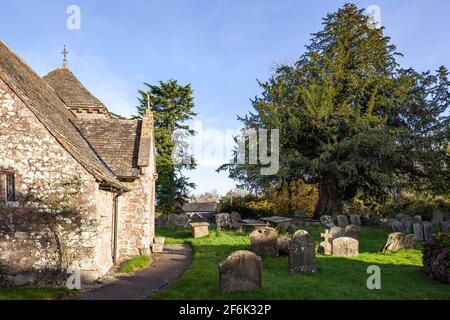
(402, 274)
(33, 293)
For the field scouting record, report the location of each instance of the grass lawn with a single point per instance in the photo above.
(32, 293)
(337, 278)
(137, 263)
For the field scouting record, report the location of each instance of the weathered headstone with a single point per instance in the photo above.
(223, 221)
(264, 242)
(235, 219)
(396, 225)
(345, 247)
(326, 246)
(283, 244)
(410, 241)
(342, 221)
(241, 271)
(327, 221)
(418, 231)
(352, 231)
(302, 253)
(397, 241)
(417, 219)
(445, 227)
(406, 222)
(427, 231)
(437, 218)
(200, 229)
(355, 219)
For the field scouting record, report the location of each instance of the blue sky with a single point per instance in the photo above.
(221, 47)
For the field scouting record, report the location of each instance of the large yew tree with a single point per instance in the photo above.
(351, 120)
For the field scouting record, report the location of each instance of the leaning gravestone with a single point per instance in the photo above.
(327, 221)
(406, 222)
(355, 219)
(445, 227)
(302, 253)
(326, 246)
(223, 221)
(427, 231)
(241, 271)
(418, 231)
(345, 247)
(342, 221)
(397, 241)
(264, 242)
(352, 231)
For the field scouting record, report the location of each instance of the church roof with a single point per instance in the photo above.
(72, 91)
(51, 111)
(116, 141)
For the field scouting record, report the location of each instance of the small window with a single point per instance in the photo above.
(11, 187)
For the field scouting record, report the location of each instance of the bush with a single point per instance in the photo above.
(436, 257)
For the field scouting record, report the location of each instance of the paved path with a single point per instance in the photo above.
(168, 267)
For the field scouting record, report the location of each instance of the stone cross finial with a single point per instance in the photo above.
(148, 111)
(65, 53)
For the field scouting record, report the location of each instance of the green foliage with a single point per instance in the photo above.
(436, 257)
(137, 263)
(248, 206)
(336, 279)
(172, 104)
(351, 120)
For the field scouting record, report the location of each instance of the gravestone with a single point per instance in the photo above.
(178, 220)
(327, 221)
(437, 218)
(418, 231)
(406, 222)
(427, 231)
(396, 225)
(200, 229)
(264, 242)
(410, 241)
(241, 271)
(397, 241)
(326, 246)
(375, 220)
(445, 227)
(352, 231)
(342, 221)
(302, 253)
(355, 219)
(223, 221)
(417, 219)
(283, 244)
(235, 220)
(345, 247)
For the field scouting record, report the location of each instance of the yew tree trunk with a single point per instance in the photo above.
(330, 198)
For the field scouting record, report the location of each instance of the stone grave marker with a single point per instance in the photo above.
(345, 247)
(302, 253)
(355, 219)
(200, 229)
(327, 221)
(223, 221)
(264, 242)
(241, 271)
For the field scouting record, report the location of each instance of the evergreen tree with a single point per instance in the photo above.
(172, 105)
(351, 120)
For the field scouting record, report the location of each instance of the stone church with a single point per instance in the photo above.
(52, 129)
